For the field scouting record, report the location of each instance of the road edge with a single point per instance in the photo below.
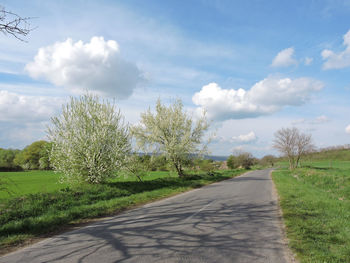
(289, 255)
(90, 221)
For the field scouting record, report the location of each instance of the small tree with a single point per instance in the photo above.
(29, 157)
(240, 159)
(268, 160)
(232, 162)
(245, 160)
(135, 166)
(171, 132)
(293, 144)
(89, 140)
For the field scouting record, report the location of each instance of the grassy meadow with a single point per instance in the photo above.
(32, 182)
(315, 200)
(39, 204)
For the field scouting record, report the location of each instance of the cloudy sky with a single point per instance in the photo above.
(254, 66)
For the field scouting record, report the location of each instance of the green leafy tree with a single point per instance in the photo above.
(241, 159)
(245, 160)
(171, 132)
(207, 165)
(44, 161)
(136, 166)
(232, 162)
(29, 157)
(7, 157)
(159, 163)
(268, 160)
(90, 140)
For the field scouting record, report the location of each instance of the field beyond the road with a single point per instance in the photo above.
(315, 201)
(40, 205)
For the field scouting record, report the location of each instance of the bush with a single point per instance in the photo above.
(244, 160)
(90, 141)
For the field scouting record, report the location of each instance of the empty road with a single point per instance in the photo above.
(231, 221)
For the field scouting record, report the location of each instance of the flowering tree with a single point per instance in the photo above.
(89, 140)
(171, 132)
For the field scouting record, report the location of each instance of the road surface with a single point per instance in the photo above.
(231, 221)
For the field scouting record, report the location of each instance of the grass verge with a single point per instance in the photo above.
(316, 209)
(34, 215)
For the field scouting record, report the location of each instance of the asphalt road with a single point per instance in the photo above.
(231, 221)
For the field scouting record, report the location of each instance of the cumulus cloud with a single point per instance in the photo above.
(249, 137)
(284, 58)
(265, 97)
(347, 129)
(337, 60)
(21, 108)
(95, 66)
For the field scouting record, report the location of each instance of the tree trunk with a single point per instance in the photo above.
(297, 162)
(291, 162)
(179, 170)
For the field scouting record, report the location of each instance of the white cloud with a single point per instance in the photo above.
(78, 66)
(337, 60)
(347, 129)
(243, 138)
(308, 61)
(249, 137)
(284, 58)
(265, 97)
(21, 108)
(318, 120)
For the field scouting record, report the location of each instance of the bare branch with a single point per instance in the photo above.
(13, 24)
(293, 144)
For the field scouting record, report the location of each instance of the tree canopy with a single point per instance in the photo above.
(90, 140)
(293, 144)
(172, 132)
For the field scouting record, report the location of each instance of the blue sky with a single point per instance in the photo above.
(254, 66)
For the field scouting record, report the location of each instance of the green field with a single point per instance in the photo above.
(316, 208)
(318, 164)
(40, 205)
(31, 182)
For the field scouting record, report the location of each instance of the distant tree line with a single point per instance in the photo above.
(33, 157)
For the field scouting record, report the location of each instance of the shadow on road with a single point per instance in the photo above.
(192, 228)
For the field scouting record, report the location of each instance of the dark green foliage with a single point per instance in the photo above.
(206, 165)
(232, 162)
(29, 158)
(154, 162)
(243, 159)
(6, 160)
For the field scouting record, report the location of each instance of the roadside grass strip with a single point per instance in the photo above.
(39, 214)
(316, 211)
